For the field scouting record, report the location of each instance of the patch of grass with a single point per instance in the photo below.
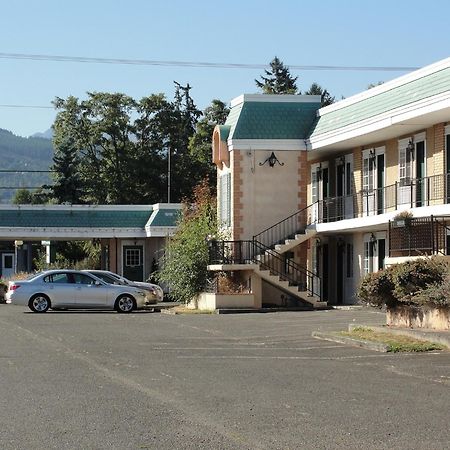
(395, 342)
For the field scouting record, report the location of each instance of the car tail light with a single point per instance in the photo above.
(13, 287)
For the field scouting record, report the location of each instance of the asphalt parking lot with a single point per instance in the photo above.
(101, 380)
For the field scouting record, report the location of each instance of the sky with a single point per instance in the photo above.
(388, 33)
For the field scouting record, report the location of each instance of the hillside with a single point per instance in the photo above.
(19, 153)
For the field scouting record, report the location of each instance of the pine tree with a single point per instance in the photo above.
(278, 79)
(325, 96)
(67, 185)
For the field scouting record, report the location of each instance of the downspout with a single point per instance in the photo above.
(117, 260)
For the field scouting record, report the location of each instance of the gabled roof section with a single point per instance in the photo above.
(272, 116)
(387, 102)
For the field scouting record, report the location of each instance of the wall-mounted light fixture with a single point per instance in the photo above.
(319, 171)
(318, 243)
(410, 149)
(272, 160)
(373, 240)
(373, 157)
(340, 243)
(341, 161)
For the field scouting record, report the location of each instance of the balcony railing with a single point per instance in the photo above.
(418, 236)
(409, 193)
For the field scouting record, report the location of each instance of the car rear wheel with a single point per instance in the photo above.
(125, 304)
(39, 303)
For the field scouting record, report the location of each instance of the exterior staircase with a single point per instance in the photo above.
(266, 250)
(293, 290)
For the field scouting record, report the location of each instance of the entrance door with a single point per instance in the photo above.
(319, 191)
(344, 190)
(344, 270)
(374, 252)
(373, 181)
(133, 262)
(7, 265)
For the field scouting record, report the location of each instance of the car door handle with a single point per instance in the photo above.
(78, 287)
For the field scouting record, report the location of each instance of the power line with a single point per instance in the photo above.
(25, 171)
(211, 65)
(27, 106)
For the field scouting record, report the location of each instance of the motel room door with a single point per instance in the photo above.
(133, 262)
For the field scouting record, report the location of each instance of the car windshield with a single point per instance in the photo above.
(107, 278)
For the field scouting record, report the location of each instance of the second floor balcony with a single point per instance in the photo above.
(410, 193)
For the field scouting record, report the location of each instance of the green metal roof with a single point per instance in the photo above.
(271, 120)
(22, 218)
(165, 218)
(419, 89)
(224, 131)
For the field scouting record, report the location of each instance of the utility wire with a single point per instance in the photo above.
(27, 106)
(212, 65)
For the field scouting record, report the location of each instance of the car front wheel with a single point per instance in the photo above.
(39, 303)
(124, 304)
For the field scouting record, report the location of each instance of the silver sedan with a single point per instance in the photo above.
(154, 292)
(64, 289)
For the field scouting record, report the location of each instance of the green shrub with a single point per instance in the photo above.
(417, 282)
(436, 294)
(186, 257)
(3, 289)
(376, 289)
(412, 277)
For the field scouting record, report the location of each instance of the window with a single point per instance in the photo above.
(225, 199)
(8, 262)
(58, 278)
(83, 279)
(133, 257)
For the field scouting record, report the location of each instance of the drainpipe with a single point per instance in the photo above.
(117, 264)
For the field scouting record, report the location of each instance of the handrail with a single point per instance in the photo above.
(245, 252)
(285, 228)
(414, 192)
(287, 269)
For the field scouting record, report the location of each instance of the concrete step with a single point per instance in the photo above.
(305, 296)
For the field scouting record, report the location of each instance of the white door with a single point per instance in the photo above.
(374, 252)
(373, 181)
(344, 187)
(8, 263)
(319, 191)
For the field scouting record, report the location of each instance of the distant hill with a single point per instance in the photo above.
(47, 134)
(19, 153)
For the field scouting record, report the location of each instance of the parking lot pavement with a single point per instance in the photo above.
(98, 380)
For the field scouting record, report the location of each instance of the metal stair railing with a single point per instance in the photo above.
(246, 252)
(286, 269)
(287, 228)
